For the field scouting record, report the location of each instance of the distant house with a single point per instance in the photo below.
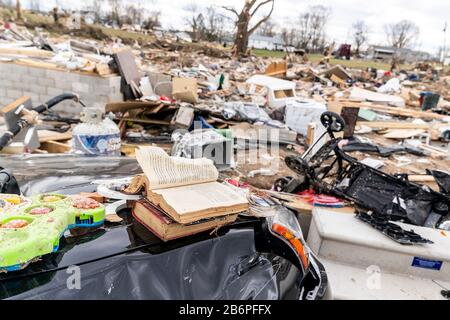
(182, 35)
(405, 55)
(267, 43)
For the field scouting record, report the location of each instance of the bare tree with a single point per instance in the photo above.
(304, 32)
(153, 20)
(267, 29)
(18, 10)
(214, 24)
(97, 9)
(116, 11)
(195, 21)
(35, 5)
(402, 34)
(318, 21)
(243, 20)
(134, 13)
(311, 28)
(289, 36)
(360, 34)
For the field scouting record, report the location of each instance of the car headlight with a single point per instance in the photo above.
(284, 225)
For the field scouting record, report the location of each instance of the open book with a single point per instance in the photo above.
(161, 225)
(187, 189)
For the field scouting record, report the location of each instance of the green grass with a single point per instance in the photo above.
(268, 53)
(315, 58)
(98, 32)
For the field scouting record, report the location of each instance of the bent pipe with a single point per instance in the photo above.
(8, 136)
(55, 100)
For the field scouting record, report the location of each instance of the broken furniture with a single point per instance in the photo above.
(279, 91)
(388, 198)
(363, 264)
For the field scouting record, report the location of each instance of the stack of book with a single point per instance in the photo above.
(182, 196)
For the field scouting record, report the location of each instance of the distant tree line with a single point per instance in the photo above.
(211, 23)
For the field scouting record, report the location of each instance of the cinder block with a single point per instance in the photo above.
(102, 89)
(34, 97)
(23, 86)
(8, 68)
(5, 84)
(115, 98)
(18, 70)
(14, 94)
(114, 81)
(28, 79)
(37, 72)
(47, 82)
(72, 76)
(63, 84)
(44, 98)
(54, 91)
(79, 87)
(38, 89)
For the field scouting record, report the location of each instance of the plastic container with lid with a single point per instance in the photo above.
(95, 136)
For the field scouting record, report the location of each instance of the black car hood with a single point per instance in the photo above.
(226, 266)
(125, 261)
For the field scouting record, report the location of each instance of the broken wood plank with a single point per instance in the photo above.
(33, 53)
(403, 133)
(55, 147)
(13, 105)
(404, 112)
(149, 121)
(277, 69)
(130, 105)
(394, 125)
(48, 135)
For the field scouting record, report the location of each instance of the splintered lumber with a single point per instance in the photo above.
(55, 147)
(424, 180)
(13, 105)
(394, 125)
(403, 133)
(36, 63)
(148, 121)
(32, 53)
(277, 69)
(130, 105)
(48, 135)
(403, 112)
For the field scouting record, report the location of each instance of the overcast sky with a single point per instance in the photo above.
(429, 15)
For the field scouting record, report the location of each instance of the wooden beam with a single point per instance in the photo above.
(404, 112)
(14, 105)
(394, 125)
(149, 121)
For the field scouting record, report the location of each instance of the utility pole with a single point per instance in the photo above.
(18, 10)
(444, 48)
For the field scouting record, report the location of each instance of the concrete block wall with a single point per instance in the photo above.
(43, 84)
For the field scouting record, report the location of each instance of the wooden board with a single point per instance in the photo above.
(130, 105)
(55, 147)
(14, 105)
(149, 121)
(29, 52)
(394, 125)
(277, 69)
(403, 133)
(127, 66)
(48, 135)
(404, 112)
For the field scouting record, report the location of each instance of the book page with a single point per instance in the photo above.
(199, 197)
(164, 171)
